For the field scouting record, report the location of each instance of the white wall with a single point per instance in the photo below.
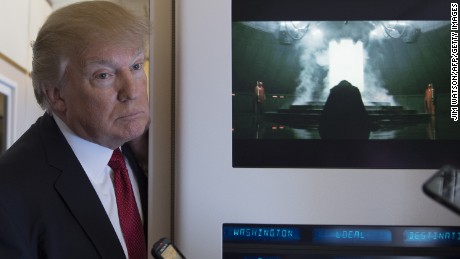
(20, 21)
(210, 192)
(14, 28)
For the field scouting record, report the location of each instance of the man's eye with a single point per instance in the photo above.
(137, 66)
(102, 76)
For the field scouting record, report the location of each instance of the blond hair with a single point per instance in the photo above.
(72, 29)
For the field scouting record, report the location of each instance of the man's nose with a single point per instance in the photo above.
(128, 86)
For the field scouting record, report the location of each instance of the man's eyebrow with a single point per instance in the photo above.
(138, 54)
(97, 61)
(101, 61)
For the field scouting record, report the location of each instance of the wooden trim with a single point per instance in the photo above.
(14, 64)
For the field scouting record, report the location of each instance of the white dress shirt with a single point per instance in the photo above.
(100, 174)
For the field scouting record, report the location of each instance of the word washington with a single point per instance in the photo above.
(264, 232)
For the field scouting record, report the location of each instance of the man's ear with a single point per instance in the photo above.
(54, 97)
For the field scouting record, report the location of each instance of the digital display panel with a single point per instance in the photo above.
(339, 241)
(351, 236)
(288, 56)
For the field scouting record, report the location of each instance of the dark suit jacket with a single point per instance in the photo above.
(48, 207)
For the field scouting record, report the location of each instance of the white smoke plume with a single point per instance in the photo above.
(313, 59)
(313, 79)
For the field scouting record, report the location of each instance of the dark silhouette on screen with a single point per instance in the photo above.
(344, 115)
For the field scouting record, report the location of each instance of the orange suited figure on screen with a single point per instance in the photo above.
(430, 108)
(259, 98)
(430, 104)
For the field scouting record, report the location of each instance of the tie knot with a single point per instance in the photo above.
(116, 161)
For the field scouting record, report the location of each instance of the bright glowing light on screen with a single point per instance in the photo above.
(346, 62)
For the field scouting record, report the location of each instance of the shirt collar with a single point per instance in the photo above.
(93, 157)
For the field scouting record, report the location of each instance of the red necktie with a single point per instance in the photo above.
(128, 213)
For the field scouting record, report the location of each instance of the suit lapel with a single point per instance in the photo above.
(77, 192)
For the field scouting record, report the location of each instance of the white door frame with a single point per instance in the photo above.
(8, 88)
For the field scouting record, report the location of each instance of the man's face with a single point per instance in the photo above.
(105, 99)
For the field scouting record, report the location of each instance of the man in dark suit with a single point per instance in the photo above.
(60, 197)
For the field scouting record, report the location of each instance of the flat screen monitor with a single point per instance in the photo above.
(288, 56)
